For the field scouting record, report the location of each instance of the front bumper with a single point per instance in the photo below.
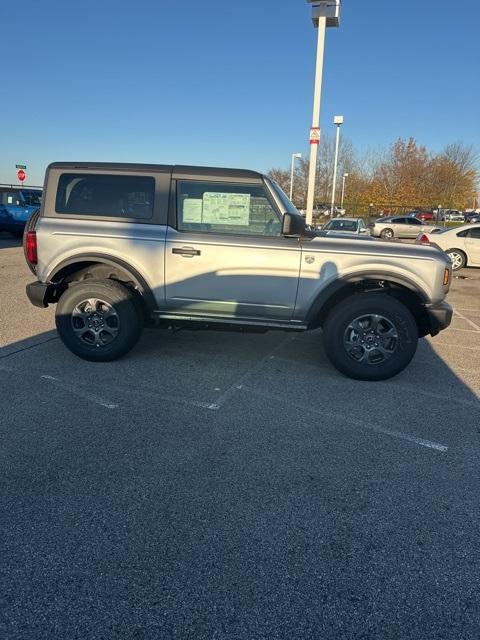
(41, 293)
(439, 316)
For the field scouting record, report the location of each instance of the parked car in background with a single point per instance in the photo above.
(452, 215)
(354, 226)
(461, 244)
(472, 216)
(421, 214)
(17, 204)
(399, 227)
(326, 209)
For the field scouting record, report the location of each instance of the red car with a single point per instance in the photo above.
(426, 215)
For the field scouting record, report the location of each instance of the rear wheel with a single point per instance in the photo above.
(370, 336)
(458, 258)
(387, 234)
(98, 320)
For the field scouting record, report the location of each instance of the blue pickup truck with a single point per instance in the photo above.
(17, 204)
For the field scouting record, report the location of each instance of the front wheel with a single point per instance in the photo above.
(370, 336)
(98, 320)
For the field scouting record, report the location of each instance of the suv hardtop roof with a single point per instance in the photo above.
(176, 170)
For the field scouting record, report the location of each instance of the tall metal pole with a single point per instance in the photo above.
(345, 176)
(294, 157)
(334, 186)
(291, 177)
(315, 131)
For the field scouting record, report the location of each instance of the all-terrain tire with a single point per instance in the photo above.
(98, 320)
(351, 343)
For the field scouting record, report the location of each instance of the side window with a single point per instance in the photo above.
(11, 198)
(474, 233)
(129, 197)
(220, 207)
(415, 221)
(398, 220)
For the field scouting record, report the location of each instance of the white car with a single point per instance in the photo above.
(461, 244)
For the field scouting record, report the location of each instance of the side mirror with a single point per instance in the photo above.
(293, 225)
(363, 230)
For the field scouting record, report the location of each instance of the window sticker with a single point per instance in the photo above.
(226, 208)
(192, 210)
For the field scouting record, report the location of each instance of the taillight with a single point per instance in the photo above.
(424, 239)
(446, 277)
(31, 247)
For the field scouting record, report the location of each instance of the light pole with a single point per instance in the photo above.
(294, 156)
(345, 176)
(338, 121)
(325, 13)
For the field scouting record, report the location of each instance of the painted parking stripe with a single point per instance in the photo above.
(429, 444)
(470, 322)
(240, 383)
(79, 393)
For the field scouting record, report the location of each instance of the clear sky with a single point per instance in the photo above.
(228, 83)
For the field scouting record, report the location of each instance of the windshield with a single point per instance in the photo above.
(286, 203)
(33, 198)
(341, 225)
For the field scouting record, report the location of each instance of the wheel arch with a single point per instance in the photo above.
(399, 287)
(64, 271)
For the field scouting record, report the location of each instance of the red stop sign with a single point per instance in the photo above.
(21, 175)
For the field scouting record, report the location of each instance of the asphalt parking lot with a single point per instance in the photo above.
(228, 485)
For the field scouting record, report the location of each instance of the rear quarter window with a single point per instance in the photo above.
(129, 197)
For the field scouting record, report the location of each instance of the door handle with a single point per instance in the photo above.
(186, 252)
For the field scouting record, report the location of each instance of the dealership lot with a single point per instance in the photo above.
(230, 485)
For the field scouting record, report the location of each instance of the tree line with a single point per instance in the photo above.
(406, 175)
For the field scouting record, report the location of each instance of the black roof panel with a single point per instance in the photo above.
(178, 170)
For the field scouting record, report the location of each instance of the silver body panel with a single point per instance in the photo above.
(234, 276)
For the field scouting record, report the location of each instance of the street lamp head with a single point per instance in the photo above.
(338, 120)
(345, 175)
(329, 9)
(296, 155)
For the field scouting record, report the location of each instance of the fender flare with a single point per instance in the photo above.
(112, 261)
(345, 282)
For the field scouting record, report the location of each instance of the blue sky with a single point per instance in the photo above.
(228, 84)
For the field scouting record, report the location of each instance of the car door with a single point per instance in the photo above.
(225, 255)
(398, 225)
(413, 227)
(472, 245)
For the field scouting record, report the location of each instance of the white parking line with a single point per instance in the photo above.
(395, 384)
(78, 392)
(239, 384)
(429, 444)
(161, 398)
(470, 322)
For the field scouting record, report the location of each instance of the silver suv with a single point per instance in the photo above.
(116, 246)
